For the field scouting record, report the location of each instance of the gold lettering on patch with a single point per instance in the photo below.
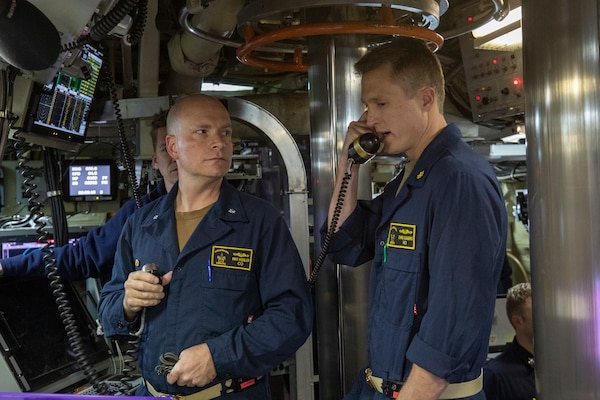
(232, 257)
(402, 236)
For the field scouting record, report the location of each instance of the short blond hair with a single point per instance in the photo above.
(516, 298)
(413, 63)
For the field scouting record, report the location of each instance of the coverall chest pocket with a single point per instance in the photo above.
(226, 296)
(400, 277)
(227, 280)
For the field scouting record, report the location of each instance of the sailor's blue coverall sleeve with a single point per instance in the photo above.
(91, 256)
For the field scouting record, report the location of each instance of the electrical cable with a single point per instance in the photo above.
(51, 175)
(106, 24)
(130, 357)
(139, 24)
(362, 149)
(511, 171)
(332, 225)
(125, 149)
(7, 80)
(112, 19)
(36, 214)
(60, 227)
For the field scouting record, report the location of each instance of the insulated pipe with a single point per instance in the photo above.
(563, 163)
(195, 57)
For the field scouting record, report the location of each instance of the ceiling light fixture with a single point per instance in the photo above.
(500, 35)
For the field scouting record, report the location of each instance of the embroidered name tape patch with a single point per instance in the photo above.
(402, 236)
(231, 257)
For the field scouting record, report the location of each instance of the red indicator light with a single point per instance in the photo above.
(478, 98)
(516, 82)
(469, 19)
(495, 61)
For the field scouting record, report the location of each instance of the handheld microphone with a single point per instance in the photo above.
(153, 269)
(364, 148)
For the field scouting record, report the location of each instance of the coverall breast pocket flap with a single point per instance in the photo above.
(229, 279)
(402, 260)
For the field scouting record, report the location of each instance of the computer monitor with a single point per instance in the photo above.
(59, 111)
(33, 340)
(90, 180)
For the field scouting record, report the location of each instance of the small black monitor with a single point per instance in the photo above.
(90, 180)
(61, 109)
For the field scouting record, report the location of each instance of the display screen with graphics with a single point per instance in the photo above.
(61, 109)
(90, 180)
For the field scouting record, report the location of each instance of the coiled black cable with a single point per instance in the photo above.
(54, 195)
(130, 356)
(103, 27)
(332, 224)
(79, 43)
(66, 314)
(139, 24)
(22, 150)
(59, 223)
(36, 214)
(125, 149)
(112, 19)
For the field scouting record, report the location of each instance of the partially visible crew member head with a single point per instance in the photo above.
(161, 160)
(520, 315)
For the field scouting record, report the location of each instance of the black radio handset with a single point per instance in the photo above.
(153, 269)
(130, 358)
(364, 148)
(361, 150)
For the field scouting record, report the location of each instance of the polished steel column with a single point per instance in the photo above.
(334, 92)
(561, 76)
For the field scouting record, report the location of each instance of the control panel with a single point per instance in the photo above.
(494, 81)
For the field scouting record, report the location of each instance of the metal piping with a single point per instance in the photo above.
(562, 123)
(429, 10)
(341, 291)
(196, 31)
(195, 56)
(498, 12)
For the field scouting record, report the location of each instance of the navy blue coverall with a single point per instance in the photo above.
(510, 375)
(238, 285)
(437, 249)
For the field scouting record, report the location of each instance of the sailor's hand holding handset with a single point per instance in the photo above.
(144, 288)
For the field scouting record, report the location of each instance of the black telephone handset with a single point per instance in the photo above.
(153, 269)
(361, 150)
(364, 148)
